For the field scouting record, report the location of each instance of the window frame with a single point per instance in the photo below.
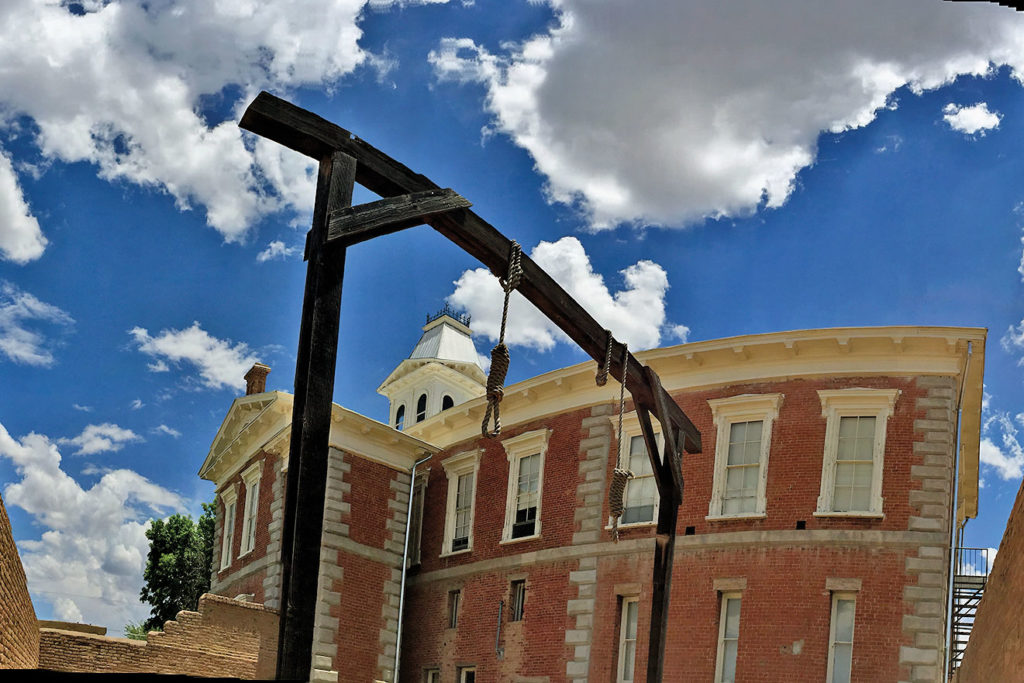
(837, 597)
(856, 402)
(421, 415)
(516, 600)
(229, 501)
(454, 604)
(724, 598)
(463, 670)
(735, 410)
(455, 466)
(432, 675)
(419, 495)
(620, 663)
(399, 422)
(630, 430)
(516, 449)
(250, 514)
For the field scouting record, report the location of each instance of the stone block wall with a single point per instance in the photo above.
(19, 635)
(225, 638)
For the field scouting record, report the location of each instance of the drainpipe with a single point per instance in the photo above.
(405, 563)
(956, 531)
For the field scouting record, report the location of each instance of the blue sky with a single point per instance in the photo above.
(686, 174)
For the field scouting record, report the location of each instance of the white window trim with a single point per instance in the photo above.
(517, 448)
(630, 429)
(724, 598)
(454, 467)
(228, 498)
(859, 402)
(463, 670)
(726, 412)
(251, 477)
(836, 597)
(620, 673)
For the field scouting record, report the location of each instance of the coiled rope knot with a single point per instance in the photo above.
(499, 354)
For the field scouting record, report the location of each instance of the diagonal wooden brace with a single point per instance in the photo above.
(366, 221)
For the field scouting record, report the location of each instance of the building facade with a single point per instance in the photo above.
(813, 539)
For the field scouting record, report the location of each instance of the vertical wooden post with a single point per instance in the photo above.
(311, 424)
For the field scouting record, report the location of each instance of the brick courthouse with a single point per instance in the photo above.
(814, 536)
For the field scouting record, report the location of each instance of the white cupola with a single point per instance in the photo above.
(442, 371)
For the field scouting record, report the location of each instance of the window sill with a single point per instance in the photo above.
(633, 525)
(510, 541)
(224, 569)
(862, 515)
(728, 518)
(241, 555)
(457, 552)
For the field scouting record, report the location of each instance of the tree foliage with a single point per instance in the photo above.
(178, 566)
(135, 630)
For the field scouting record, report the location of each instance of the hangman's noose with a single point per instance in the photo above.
(499, 354)
(621, 475)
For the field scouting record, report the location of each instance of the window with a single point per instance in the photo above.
(229, 498)
(525, 483)
(419, 492)
(421, 408)
(517, 600)
(851, 473)
(627, 639)
(728, 638)
(743, 441)
(458, 522)
(447, 402)
(251, 478)
(840, 638)
(432, 676)
(640, 499)
(467, 674)
(454, 598)
(400, 417)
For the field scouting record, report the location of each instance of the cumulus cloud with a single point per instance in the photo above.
(101, 438)
(635, 314)
(19, 343)
(21, 239)
(130, 87)
(1000, 446)
(971, 120)
(169, 431)
(667, 112)
(89, 559)
(220, 363)
(276, 251)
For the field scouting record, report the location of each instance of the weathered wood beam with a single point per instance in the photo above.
(305, 132)
(366, 221)
(307, 476)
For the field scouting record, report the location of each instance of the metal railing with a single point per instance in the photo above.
(972, 562)
(971, 568)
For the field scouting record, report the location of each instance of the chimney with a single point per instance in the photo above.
(256, 379)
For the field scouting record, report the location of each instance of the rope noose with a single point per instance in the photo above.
(620, 475)
(499, 354)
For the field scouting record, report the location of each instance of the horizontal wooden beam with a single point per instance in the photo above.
(366, 221)
(303, 131)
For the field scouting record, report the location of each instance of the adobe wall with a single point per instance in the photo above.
(224, 638)
(19, 635)
(995, 651)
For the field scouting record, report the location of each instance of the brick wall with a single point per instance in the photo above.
(995, 651)
(224, 638)
(19, 635)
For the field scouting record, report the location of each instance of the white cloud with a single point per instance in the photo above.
(680, 333)
(276, 251)
(970, 120)
(21, 240)
(221, 363)
(1013, 340)
(123, 88)
(1007, 456)
(101, 438)
(137, 403)
(158, 366)
(88, 562)
(84, 409)
(634, 314)
(666, 112)
(169, 431)
(19, 343)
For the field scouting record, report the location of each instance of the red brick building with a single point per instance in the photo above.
(814, 535)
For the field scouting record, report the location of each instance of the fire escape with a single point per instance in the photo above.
(972, 568)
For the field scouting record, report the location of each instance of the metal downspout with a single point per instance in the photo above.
(405, 564)
(956, 531)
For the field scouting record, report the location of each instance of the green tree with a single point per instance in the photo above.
(135, 630)
(178, 566)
